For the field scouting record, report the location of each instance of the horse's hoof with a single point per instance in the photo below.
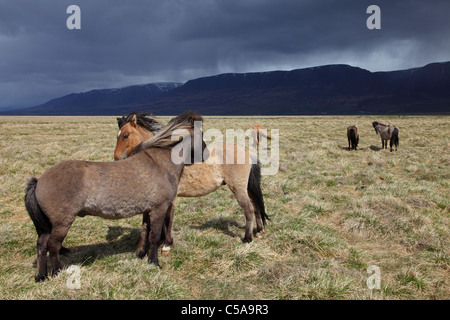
(40, 277)
(155, 263)
(247, 240)
(140, 254)
(56, 271)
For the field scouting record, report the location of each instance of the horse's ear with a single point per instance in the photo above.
(133, 120)
(120, 122)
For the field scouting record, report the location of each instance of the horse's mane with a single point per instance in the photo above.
(143, 119)
(376, 123)
(163, 139)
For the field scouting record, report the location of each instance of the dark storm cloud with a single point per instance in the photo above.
(130, 42)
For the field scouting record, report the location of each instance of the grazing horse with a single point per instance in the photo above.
(387, 132)
(200, 179)
(353, 137)
(257, 133)
(145, 183)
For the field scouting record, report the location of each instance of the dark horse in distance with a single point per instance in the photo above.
(387, 132)
(353, 137)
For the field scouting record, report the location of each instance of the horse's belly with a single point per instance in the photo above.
(115, 208)
(199, 180)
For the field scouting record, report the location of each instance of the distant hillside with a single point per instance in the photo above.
(331, 89)
(100, 102)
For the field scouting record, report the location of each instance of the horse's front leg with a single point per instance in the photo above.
(143, 239)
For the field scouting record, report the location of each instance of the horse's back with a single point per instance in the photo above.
(352, 130)
(58, 187)
(228, 163)
(107, 189)
(200, 179)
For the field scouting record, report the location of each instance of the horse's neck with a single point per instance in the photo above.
(162, 158)
(145, 134)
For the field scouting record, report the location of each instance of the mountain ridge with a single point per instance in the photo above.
(329, 89)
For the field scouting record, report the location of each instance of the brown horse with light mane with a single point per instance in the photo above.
(111, 190)
(199, 179)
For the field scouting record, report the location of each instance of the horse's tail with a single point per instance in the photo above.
(261, 133)
(254, 191)
(40, 220)
(395, 139)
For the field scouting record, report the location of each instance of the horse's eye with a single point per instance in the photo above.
(125, 136)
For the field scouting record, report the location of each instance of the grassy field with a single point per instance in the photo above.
(333, 213)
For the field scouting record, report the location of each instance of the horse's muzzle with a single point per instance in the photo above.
(120, 157)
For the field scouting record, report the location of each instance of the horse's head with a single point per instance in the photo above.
(184, 135)
(375, 124)
(129, 136)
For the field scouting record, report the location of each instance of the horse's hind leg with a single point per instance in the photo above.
(157, 219)
(143, 240)
(168, 222)
(41, 263)
(54, 244)
(246, 205)
(259, 223)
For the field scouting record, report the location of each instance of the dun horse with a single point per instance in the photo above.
(387, 132)
(257, 133)
(200, 179)
(145, 183)
(353, 137)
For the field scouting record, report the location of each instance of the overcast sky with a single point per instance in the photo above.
(123, 43)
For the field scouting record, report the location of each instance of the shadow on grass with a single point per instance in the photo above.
(125, 240)
(221, 224)
(343, 148)
(119, 240)
(372, 147)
